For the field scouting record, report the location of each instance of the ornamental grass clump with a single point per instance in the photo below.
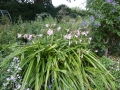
(59, 60)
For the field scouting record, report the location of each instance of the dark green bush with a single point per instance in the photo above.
(27, 11)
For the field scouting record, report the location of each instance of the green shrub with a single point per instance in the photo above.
(4, 20)
(113, 66)
(105, 21)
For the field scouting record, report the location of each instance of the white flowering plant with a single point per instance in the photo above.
(12, 78)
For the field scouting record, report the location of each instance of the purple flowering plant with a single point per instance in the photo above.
(105, 28)
(109, 0)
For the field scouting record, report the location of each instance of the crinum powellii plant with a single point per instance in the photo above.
(58, 59)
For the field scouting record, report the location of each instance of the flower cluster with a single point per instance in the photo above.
(50, 25)
(59, 28)
(112, 1)
(77, 36)
(25, 36)
(29, 37)
(97, 24)
(109, 0)
(68, 36)
(50, 32)
(84, 23)
(92, 18)
(14, 80)
(73, 36)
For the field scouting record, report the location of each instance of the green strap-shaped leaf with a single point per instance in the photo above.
(27, 75)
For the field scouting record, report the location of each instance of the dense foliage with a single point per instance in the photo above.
(59, 53)
(29, 11)
(105, 27)
(54, 57)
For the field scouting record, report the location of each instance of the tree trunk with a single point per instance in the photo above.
(106, 52)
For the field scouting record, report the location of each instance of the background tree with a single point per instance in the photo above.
(25, 8)
(6, 1)
(105, 27)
